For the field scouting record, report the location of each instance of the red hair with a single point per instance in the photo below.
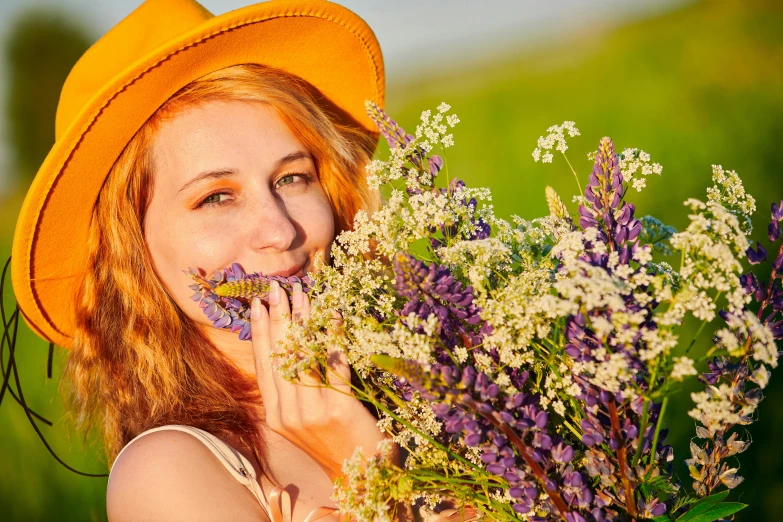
(138, 361)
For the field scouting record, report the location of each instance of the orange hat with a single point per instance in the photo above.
(125, 77)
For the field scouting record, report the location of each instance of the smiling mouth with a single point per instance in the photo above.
(297, 270)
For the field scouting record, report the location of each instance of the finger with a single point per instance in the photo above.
(300, 311)
(305, 305)
(259, 328)
(338, 371)
(279, 312)
(300, 303)
(279, 317)
(338, 368)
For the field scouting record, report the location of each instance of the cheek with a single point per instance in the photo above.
(317, 220)
(179, 241)
(176, 243)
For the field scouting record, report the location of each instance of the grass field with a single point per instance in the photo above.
(694, 87)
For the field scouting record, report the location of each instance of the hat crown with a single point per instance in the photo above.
(149, 26)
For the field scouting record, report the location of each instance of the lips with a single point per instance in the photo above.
(296, 270)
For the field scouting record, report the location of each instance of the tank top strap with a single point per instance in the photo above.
(236, 463)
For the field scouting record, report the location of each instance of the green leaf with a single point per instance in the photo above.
(662, 518)
(390, 364)
(394, 397)
(702, 506)
(720, 511)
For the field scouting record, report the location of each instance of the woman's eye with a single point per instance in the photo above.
(291, 179)
(213, 199)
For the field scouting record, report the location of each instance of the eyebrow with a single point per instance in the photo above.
(222, 173)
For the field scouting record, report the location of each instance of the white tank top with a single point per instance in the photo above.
(277, 507)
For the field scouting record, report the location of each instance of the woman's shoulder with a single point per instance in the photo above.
(167, 473)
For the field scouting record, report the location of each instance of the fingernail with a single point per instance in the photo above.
(297, 297)
(255, 309)
(274, 292)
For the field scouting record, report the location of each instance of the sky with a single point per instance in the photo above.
(416, 36)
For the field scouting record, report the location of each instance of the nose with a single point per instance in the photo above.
(270, 226)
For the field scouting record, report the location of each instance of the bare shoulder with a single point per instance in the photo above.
(170, 475)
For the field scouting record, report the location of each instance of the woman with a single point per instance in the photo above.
(185, 140)
(241, 165)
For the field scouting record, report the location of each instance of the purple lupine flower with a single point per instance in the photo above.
(615, 222)
(225, 297)
(432, 289)
(756, 256)
(751, 285)
(396, 136)
(627, 439)
(778, 264)
(512, 431)
(609, 420)
(720, 367)
(773, 230)
(777, 211)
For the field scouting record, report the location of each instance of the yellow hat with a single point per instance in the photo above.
(125, 77)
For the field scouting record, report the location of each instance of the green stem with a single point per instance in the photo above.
(651, 459)
(572, 429)
(469, 497)
(575, 176)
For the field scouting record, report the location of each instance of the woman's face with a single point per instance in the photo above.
(233, 184)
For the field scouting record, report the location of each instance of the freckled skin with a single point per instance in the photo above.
(267, 223)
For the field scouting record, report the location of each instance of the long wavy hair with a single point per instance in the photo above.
(138, 361)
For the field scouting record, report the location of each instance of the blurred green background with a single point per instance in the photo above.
(698, 85)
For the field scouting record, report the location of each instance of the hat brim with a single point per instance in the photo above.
(323, 43)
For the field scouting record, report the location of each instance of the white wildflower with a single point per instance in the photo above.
(761, 376)
(638, 184)
(729, 191)
(478, 260)
(364, 489)
(713, 244)
(609, 374)
(683, 367)
(643, 254)
(633, 161)
(556, 139)
(461, 353)
(718, 408)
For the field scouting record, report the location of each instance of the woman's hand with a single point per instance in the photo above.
(326, 423)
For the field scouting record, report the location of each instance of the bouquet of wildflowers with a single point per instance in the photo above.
(525, 367)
